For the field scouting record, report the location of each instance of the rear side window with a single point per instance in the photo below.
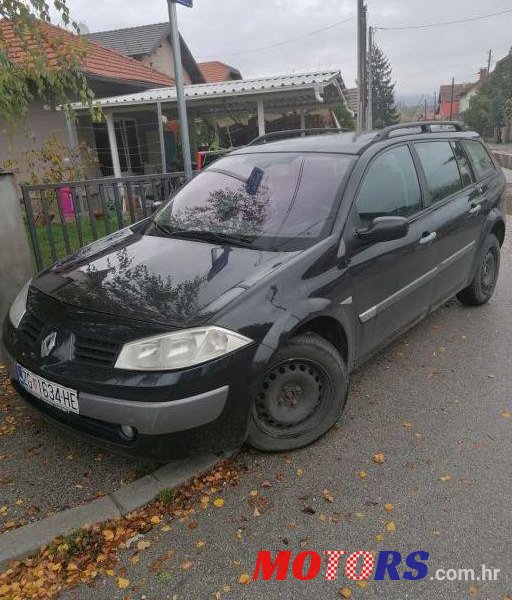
(480, 158)
(441, 170)
(462, 161)
(390, 187)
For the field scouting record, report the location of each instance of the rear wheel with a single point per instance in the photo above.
(301, 395)
(484, 283)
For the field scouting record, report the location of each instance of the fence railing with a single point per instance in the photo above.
(63, 217)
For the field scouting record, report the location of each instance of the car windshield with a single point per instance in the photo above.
(263, 200)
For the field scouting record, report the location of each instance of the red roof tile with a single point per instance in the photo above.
(99, 61)
(216, 71)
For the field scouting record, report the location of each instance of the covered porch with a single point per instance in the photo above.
(140, 135)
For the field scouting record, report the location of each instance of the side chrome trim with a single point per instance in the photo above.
(347, 302)
(411, 287)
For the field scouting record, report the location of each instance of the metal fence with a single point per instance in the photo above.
(63, 217)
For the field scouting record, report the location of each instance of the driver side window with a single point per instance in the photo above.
(390, 187)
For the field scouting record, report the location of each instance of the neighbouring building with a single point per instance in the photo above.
(454, 99)
(108, 73)
(150, 45)
(216, 71)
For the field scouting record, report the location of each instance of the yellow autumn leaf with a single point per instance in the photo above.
(362, 585)
(200, 544)
(166, 528)
(328, 497)
(379, 458)
(362, 474)
(506, 414)
(244, 579)
(155, 520)
(407, 424)
(388, 507)
(346, 592)
(110, 572)
(186, 565)
(108, 534)
(445, 478)
(379, 537)
(122, 583)
(391, 527)
(218, 502)
(299, 472)
(143, 545)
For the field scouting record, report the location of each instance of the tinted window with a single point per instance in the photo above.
(293, 199)
(480, 158)
(441, 170)
(390, 187)
(462, 161)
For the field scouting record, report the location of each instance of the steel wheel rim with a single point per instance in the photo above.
(489, 269)
(293, 398)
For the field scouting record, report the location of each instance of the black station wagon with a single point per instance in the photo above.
(239, 309)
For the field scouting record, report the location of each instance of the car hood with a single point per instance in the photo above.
(178, 282)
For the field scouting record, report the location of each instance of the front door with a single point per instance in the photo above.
(391, 281)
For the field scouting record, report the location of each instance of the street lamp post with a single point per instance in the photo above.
(180, 86)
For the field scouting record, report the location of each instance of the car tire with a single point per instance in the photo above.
(482, 287)
(301, 395)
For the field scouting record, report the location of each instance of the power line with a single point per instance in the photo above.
(446, 23)
(277, 44)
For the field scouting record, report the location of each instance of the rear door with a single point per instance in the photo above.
(390, 281)
(456, 213)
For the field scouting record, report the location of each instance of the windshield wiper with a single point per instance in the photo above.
(213, 236)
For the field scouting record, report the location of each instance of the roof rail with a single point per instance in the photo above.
(426, 127)
(263, 139)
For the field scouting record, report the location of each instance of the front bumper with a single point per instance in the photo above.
(148, 418)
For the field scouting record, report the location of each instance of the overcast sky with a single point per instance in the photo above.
(228, 29)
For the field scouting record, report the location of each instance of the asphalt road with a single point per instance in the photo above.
(447, 472)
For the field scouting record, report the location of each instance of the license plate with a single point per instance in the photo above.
(54, 394)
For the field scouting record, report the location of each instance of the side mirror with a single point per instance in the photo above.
(384, 229)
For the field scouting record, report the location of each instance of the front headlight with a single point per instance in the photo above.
(179, 349)
(19, 306)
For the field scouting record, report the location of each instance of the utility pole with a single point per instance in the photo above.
(489, 62)
(180, 85)
(452, 97)
(426, 109)
(369, 118)
(361, 64)
(435, 105)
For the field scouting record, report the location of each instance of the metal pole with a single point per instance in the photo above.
(361, 62)
(161, 135)
(370, 80)
(426, 109)
(451, 102)
(180, 87)
(261, 118)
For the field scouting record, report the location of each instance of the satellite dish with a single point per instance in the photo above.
(83, 29)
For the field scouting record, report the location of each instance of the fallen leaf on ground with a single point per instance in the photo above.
(391, 527)
(122, 583)
(143, 545)
(388, 507)
(407, 424)
(328, 496)
(108, 534)
(200, 544)
(155, 520)
(346, 593)
(379, 458)
(218, 502)
(244, 579)
(299, 472)
(362, 585)
(186, 565)
(362, 474)
(445, 478)
(506, 414)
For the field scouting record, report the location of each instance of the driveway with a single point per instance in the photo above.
(438, 406)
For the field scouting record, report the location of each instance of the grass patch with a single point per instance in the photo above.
(166, 496)
(72, 544)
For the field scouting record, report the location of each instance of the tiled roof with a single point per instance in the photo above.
(459, 89)
(99, 62)
(216, 71)
(244, 87)
(132, 41)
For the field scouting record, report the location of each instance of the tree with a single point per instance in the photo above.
(38, 59)
(345, 118)
(384, 108)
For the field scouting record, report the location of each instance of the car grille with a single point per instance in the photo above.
(30, 328)
(94, 350)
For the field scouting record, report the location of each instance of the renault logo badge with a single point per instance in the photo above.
(48, 344)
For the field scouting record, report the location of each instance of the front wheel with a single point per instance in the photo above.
(301, 395)
(484, 283)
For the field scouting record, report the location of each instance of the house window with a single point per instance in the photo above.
(128, 147)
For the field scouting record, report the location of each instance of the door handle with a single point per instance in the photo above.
(428, 237)
(475, 209)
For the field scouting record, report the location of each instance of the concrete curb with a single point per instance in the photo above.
(28, 540)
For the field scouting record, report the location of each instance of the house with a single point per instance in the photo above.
(216, 71)
(233, 113)
(150, 45)
(107, 72)
(454, 99)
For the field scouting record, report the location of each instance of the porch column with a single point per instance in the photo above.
(109, 117)
(261, 117)
(161, 134)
